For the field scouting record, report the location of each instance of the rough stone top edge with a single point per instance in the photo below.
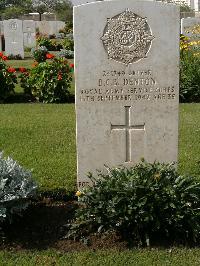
(158, 3)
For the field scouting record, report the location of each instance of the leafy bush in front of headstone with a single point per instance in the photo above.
(7, 78)
(50, 44)
(39, 54)
(68, 27)
(189, 70)
(14, 57)
(56, 46)
(49, 81)
(16, 188)
(44, 41)
(140, 203)
(68, 54)
(68, 44)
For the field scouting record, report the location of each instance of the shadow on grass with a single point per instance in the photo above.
(27, 98)
(43, 226)
(40, 227)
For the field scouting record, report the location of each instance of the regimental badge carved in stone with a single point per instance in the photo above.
(127, 37)
(13, 25)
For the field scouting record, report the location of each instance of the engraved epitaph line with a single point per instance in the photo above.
(128, 128)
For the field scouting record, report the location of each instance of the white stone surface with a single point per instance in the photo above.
(13, 33)
(190, 27)
(60, 26)
(82, 2)
(126, 111)
(44, 27)
(50, 27)
(1, 34)
(29, 30)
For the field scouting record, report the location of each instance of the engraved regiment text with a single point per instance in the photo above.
(114, 86)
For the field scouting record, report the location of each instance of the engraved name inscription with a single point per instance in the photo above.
(114, 86)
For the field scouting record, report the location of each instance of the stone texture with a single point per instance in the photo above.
(127, 84)
(50, 27)
(82, 2)
(60, 26)
(190, 27)
(1, 34)
(43, 27)
(29, 30)
(13, 33)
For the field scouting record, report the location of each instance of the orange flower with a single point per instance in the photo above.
(71, 65)
(50, 56)
(11, 69)
(22, 69)
(1, 54)
(34, 64)
(59, 77)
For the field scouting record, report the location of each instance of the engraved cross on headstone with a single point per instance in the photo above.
(128, 128)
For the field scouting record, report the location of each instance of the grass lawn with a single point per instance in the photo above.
(27, 63)
(140, 257)
(42, 137)
(189, 139)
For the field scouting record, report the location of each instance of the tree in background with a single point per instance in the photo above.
(64, 11)
(62, 8)
(14, 8)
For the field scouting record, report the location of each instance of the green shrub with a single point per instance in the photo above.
(140, 203)
(189, 70)
(44, 41)
(68, 44)
(68, 27)
(68, 54)
(14, 57)
(51, 45)
(16, 188)
(56, 46)
(39, 54)
(48, 81)
(7, 79)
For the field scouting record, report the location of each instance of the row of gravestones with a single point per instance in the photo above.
(19, 34)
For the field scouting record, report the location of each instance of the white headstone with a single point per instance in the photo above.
(50, 27)
(1, 34)
(60, 26)
(29, 30)
(13, 33)
(190, 27)
(44, 27)
(127, 83)
(82, 2)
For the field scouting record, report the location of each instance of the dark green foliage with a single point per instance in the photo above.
(140, 203)
(189, 77)
(49, 82)
(68, 44)
(68, 54)
(68, 27)
(16, 188)
(45, 42)
(7, 79)
(14, 57)
(39, 54)
(50, 44)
